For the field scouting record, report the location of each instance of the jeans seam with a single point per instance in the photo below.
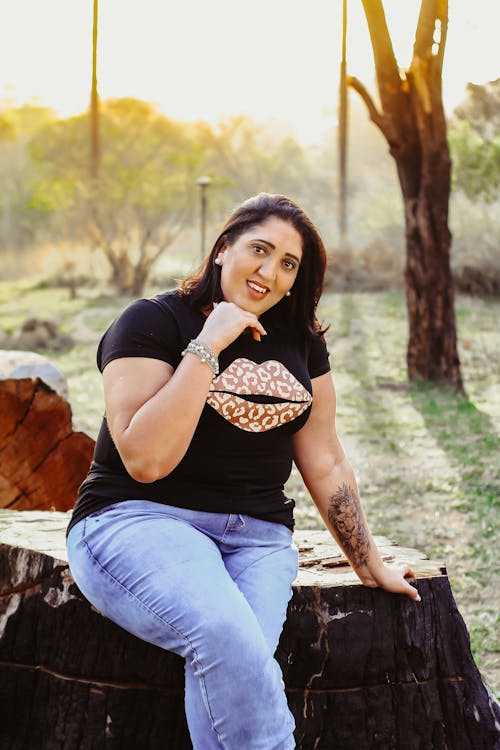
(158, 617)
(256, 562)
(228, 529)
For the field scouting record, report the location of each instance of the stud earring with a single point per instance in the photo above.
(288, 294)
(218, 261)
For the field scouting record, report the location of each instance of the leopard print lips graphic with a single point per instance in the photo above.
(246, 378)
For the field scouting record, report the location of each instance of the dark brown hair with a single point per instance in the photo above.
(299, 310)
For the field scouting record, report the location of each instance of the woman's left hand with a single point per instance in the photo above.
(393, 578)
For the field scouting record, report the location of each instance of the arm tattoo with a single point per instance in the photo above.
(344, 514)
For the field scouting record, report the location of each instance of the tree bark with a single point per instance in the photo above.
(413, 122)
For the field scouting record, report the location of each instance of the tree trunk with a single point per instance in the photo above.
(413, 122)
(432, 342)
(128, 277)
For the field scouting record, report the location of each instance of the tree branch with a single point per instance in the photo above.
(392, 87)
(443, 17)
(388, 77)
(424, 35)
(423, 53)
(375, 116)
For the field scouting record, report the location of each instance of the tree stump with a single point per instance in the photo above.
(363, 669)
(42, 461)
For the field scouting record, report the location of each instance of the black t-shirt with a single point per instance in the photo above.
(240, 455)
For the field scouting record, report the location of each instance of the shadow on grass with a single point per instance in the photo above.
(378, 420)
(464, 433)
(467, 436)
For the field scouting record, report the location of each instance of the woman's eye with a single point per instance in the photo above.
(289, 265)
(258, 249)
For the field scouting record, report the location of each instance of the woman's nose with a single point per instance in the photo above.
(268, 268)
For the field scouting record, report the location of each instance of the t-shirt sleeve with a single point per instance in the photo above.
(143, 329)
(318, 361)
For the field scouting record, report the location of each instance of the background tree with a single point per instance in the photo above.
(481, 109)
(22, 213)
(411, 118)
(474, 137)
(246, 157)
(146, 189)
(146, 192)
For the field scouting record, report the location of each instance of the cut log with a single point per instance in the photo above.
(42, 461)
(363, 668)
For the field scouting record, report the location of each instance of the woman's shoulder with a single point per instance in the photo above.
(318, 355)
(147, 327)
(175, 302)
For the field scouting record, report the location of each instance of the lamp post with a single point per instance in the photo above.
(203, 181)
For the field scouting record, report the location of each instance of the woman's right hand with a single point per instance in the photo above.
(225, 323)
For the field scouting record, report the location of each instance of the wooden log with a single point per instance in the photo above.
(363, 668)
(42, 461)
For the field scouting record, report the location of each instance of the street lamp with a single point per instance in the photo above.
(203, 181)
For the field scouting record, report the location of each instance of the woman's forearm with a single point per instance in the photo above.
(337, 499)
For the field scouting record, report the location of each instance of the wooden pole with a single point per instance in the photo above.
(94, 104)
(343, 133)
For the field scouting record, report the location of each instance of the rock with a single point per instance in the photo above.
(22, 364)
(41, 334)
(6, 340)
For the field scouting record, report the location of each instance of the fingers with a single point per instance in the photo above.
(395, 581)
(409, 590)
(257, 330)
(412, 592)
(407, 571)
(226, 322)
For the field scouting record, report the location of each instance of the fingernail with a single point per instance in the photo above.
(418, 599)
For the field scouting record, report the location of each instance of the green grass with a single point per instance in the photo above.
(425, 457)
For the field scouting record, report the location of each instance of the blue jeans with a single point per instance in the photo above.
(211, 587)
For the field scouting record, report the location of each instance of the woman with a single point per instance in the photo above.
(182, 533)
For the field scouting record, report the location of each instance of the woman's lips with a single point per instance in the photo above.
(257, 290)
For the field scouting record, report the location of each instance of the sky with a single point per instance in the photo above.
(276, 60)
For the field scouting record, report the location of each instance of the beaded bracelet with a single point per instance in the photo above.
(205, 353)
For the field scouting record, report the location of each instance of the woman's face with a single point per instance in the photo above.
(260, 267)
